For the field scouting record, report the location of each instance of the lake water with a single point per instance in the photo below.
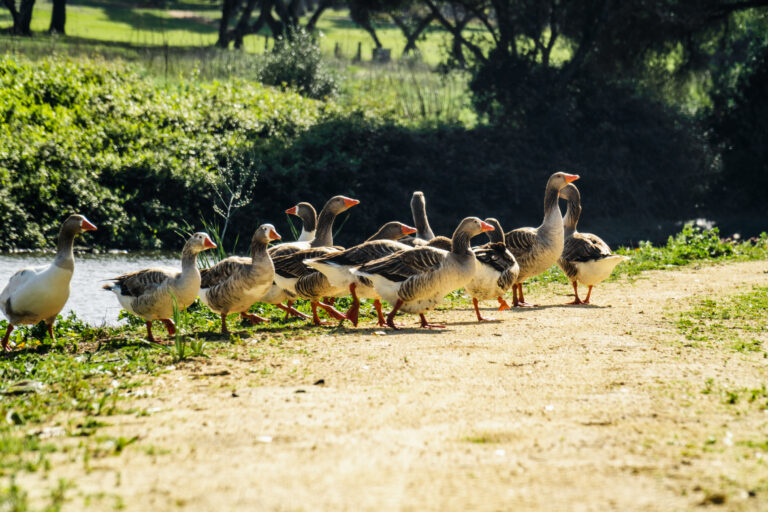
(86, 298)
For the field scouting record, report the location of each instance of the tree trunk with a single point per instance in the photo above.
(321, 7)
(368, 27)
(22, 19)
(227, 11)
(58, 17)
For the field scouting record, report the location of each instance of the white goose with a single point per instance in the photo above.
(416, 280)
(150, 293)
(40, 293)
(586, 258)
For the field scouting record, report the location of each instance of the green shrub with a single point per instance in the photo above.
(135, 157)
(297, 63)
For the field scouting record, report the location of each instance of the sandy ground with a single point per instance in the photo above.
(555, 408)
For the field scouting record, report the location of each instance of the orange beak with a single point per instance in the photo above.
(486, 227)
(571, 177)
(208, 243)
(291, 211)
(87, 226)
(408, 230)
(274, 235)
(350, 202)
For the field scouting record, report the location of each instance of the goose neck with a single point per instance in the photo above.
(65, 256)
(324, 233)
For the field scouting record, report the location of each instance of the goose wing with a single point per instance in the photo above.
(222, 271)
(284, 249)
(292, 265)
(401, 265)
(585, 247)
(359, 254)
(141, 282)
(495, 255)
(521, 240)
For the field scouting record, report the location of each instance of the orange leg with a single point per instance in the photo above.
(253, 318)
(50, 331)
(224, 329)
(5, 338)
(427, 325)
(149, 332)
(577, 300)
(316, 319)
(391, 315)
(169, 325)
(586, 301)
(332, 312)
(382, 320)
(520, 303)
(354, 312)
(290, 310)
(480, 317)
(502, 304)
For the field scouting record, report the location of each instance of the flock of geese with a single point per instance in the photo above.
(410, 268)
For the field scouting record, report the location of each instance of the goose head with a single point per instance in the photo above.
(466, 230)
(393, 231)
(571, 194)
(198, 243)
(75, 225)
(306, 212)
(560, 179)
(265, 234)
(338, 204)
(497, 235)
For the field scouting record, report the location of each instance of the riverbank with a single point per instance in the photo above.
(610, 406)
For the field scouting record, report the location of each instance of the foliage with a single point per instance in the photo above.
(739, 119)
(692, 244)
(739, 321)
(98, 139)
(296, 62)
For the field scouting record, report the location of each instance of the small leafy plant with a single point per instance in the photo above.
(297, 63)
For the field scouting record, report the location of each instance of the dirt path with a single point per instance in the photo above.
(579, 408)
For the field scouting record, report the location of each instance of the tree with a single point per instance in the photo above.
(608, 40)
(281, 17)
(412, 22)
(58, 17)
(21, 15)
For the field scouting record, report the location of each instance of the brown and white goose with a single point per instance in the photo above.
(337, 267)
(419, 212)
(586, 258)
(235, 283)
(416, 280)
(497, 270)
(298, 280)
(323, 236)
(306, 212)
(424, 232)
(537, 249)
(40, 293)
(149, 293)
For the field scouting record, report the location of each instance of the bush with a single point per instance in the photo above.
(296, 62)
(135, 157)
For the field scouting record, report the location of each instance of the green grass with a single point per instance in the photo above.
(70, 388)
(738, 322)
